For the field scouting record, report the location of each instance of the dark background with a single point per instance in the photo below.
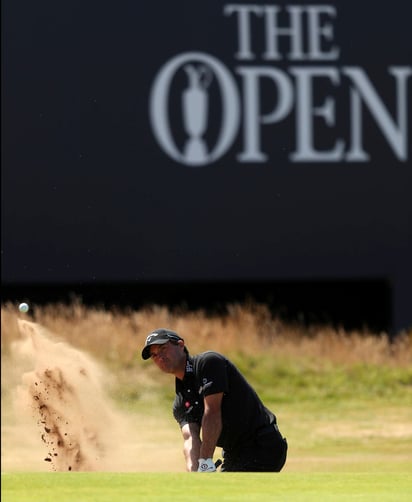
(91, 206)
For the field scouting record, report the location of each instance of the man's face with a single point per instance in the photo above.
(169, 357)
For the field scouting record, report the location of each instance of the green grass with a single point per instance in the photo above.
(289, 381)
(130, 487)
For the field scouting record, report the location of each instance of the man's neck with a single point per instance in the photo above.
(180, 373)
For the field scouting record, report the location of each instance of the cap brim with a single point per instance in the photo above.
(146, 350)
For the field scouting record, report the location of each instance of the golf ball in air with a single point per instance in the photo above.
(23, 307)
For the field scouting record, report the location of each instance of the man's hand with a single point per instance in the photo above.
(206, 465)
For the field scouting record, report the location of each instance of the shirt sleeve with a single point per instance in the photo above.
(186, 414)
(179, 411)
(212, 374)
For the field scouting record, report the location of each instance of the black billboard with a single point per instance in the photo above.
(207, 142)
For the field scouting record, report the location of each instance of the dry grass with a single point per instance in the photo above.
(116, 337)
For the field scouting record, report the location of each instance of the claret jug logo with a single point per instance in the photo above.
(200, 69)
(200, 106)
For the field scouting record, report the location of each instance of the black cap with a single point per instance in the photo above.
(159, 337)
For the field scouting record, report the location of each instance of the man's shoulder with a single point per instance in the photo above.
(208, 359)
(208, 355)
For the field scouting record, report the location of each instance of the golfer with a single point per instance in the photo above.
(215, 406)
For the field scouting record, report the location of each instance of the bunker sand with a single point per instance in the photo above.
(60, 417)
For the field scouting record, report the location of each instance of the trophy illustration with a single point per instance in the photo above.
(195, 101)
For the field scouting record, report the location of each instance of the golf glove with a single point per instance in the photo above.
(206, 465)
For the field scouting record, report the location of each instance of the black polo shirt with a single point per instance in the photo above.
(243, 413)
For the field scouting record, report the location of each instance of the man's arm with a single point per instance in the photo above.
(211, 424)
(191, 445)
